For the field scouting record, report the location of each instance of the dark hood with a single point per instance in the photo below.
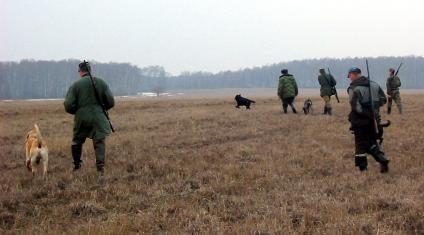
(362, 81)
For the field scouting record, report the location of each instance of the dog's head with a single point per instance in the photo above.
(386, 124)
(308, 102)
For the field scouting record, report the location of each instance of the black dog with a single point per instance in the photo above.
(307, 107)
(241, 101)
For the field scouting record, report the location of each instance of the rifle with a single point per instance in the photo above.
(334, 88)
(374, 119)
(96, 94)
(397, 71)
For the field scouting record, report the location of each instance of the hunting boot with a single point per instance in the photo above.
(285, 109)
(380, 158)
(361, 162)
(325, 110)
(329, 111)
(400, 108)
(99, 149)
(293, 108)
(76, 155)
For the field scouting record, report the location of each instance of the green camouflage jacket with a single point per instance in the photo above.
(327, 83)
(393, 84)
(89, 120)
(287, 87)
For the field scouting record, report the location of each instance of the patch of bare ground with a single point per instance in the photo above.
(202, 166)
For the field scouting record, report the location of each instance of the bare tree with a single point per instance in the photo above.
(158, 90)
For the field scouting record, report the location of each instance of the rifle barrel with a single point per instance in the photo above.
(374, 121)
(96, 94)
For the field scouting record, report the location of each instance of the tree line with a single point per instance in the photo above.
(31, 79)
(305, 72)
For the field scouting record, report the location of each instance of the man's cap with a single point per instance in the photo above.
(321, 70)
(392, 70)
(354, 70)
(84, 67)
(284, 71)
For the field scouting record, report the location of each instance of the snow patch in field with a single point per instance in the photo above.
(43, 100)
(148, 94)
(151, 94)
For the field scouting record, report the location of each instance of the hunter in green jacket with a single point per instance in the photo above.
(89, 120)
(327, 83)
(287, 90)
(393, 85)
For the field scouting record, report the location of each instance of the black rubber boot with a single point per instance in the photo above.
(99, 150)
(380, 158)
(76, 155)
(329, 111)
(389, 109)
(325, 111)
(285, 109)
(293, 107)
(361, 162)
(400, 108)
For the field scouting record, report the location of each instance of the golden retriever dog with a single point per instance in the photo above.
(36, 151)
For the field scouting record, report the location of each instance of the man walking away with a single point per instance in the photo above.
(287, 90)
(89, 121)
(362, 119)
(327, 83)
(393, 84)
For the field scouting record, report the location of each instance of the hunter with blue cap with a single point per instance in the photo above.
(362, 92)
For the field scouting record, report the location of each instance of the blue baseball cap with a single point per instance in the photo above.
(354, 70)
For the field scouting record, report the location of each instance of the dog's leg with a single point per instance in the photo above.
(45, 165)
(34, 165)
(45, 159)
(28, 165)
(27, 159)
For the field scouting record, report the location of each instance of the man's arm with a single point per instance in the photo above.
(398, 82)
(333, 81)
(108, 98)
(354, 100)
(382, 97)
(295, 87)
(71, 101)
(280, 88)
(320, 80)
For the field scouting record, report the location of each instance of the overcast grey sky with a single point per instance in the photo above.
(209, 35)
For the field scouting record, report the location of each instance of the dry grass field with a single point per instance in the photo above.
(200, 166)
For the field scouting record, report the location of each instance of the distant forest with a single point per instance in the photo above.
(31, 79)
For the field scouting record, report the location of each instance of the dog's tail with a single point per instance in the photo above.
(39, 136)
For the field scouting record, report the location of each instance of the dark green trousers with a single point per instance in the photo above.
(99, 150)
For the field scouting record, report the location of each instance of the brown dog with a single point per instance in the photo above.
(36, 151)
